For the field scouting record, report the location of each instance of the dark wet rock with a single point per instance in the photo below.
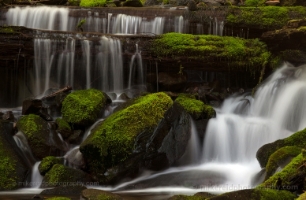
(75, 190)
(9, 116)
(93, 194)
(76, 137)
(132, 3)
(171, 82)
(123, 96)
(292, 3)
(192, 6)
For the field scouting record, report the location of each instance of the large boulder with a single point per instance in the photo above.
(42, 141)
(83, 107)
(112, 141)
(13, 169)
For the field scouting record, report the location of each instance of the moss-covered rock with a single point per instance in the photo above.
(60, 175)
(285, 176)
(297, 139)
(93, 3)
(112, 141)
(256, 194)
(37, 133)
(265, 17)
(302, 196)
(12, 168)
(195, 107)
(197, 196)
(280, 157)
(94, 194)
(47, 163)
(82, 107)
(239, 53)
(63, 128)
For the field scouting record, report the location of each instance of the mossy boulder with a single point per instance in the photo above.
(13, 169)
(60, 175)
(112, 141)
(297, 139)
(82, 107)
(217, 52)
(94, 194)
(194, 107)
(255, 194)
(47, 163)
(285, 178)
(280, 158)
(38, 135)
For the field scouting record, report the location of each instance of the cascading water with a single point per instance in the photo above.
(136, 65)
(58, 18)
(97, 65)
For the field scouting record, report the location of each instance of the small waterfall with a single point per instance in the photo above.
(126, 24)
(179, 24)
(59, 63)
(23, 145)
(41, 17)
(36, 178)
(136, 63)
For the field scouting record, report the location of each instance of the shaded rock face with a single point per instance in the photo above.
(292, 3)
(171, 82)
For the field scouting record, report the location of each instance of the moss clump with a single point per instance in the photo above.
(254, 3)
(279, 156)
(93, 3)
(62, 125)
(242, 52)
(302, 196)
(266, 17)
(297, 139)
(60, 175)
(47, 163)
(285, 175)
(83, 106)
(112, 141)
(59, 198)
(195, 107)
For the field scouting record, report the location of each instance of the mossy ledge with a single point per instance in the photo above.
(264, 17)
(194, 107)
(112, 141)
(297, 139)
(216, 51)
(83, 106)
(47, 163)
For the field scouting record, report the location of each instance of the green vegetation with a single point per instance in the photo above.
(47, 163)
(266, 17)
(93, 3)
(195, 107)
(240, 52)
(83, 106)
(112, 141)
(62, 124)
(254, 3)
(280, 156)
(286, 174)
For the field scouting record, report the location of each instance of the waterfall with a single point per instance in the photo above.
(36, 178)
(136, 63)
(96, 65)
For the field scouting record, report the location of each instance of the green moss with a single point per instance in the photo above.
(271, 194)
(280, 156)
(6, 29)
(30, 125)
(59, 198)
(186, 197)
(112, 141)
(302, 196)
(242, 52)
(62, 124)
(47, 163)
(285, 175)
(93, 3)
(195, 107)
(106, 197)
(254, 2)
(266, 17)
(297, 139)
(83, 106)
